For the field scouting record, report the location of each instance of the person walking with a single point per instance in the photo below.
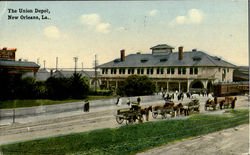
(139, 100)
(86, 106)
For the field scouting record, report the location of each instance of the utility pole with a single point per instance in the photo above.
(37, 61)
(96, 63)
(44, 61)
(56, 63)
(75, 59)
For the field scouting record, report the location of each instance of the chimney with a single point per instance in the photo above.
(122, 55)
(180, 52)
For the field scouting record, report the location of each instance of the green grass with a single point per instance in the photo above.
(129, 139)
(9, 104)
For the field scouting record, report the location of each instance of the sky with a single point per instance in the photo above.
(84, 29)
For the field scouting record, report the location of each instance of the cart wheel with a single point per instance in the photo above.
(129, 121)
(173, 114)
(119, 120)
(154, 114)
(164, 115)
(140, 119)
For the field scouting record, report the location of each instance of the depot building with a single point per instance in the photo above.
(171, 71)
(15, 68)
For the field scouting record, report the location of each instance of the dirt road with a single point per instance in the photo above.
(77, 123)
(233, 141)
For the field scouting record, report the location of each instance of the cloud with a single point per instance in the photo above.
(120, 29)
(153, 12)
(3, 8)
(194, 16)
(90, 19)
(94, 22)
(103, 28)
(52, 32)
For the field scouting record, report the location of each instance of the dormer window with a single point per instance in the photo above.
(117, 60)
(144, 60)
(163, 59)
(217, 58)
(196, 58)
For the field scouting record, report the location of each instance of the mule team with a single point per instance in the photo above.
(169, 107)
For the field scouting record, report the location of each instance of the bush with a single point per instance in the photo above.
(58, 88)
(101, 92)
(135, 85)
(79, 86)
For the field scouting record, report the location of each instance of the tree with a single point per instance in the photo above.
(135, 85)
(79, 86)
(26, 88)
(58, 88)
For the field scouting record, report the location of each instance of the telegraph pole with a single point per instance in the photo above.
(96, 63)
(56, 63)
(75, 59)
(44, 61)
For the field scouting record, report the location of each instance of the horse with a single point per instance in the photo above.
(233, 102)
(162, 106)
(210, 103)
(230, 100)
(220, 101)
(178, 108)
(145, 111)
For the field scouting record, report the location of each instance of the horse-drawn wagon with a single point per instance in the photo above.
(130, 115)
(210, 104)
(163, 110)
(192, 106)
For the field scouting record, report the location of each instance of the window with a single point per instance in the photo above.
(113, 71)
(152, 70)
(158, 71)
(172, 70)
(219, 69)
(163, 59)
(162, 70)
(140, 71)
(148, 70)
(191, 71)
(179, 70)
(227, 69)
(133, 71)
(103, 70)
(195, 70)
(168, 70)
(106, 71)
(129, 70)
(122, 71)
(183, 70)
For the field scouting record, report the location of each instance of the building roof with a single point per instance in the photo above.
(191, 58)
(11, 63)
(241, 73)
(162, 46)
(67, 74)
